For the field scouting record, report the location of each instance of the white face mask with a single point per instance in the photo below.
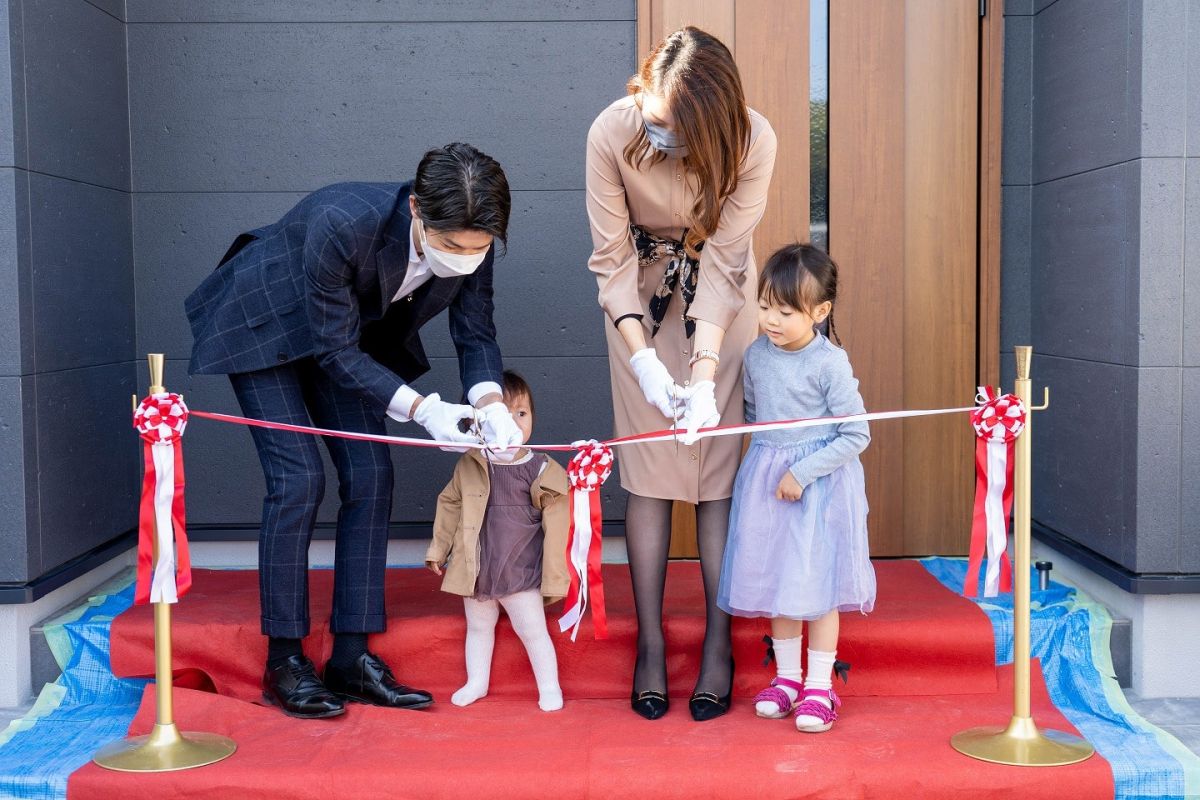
(449, 265)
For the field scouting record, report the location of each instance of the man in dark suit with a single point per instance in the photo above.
(316, 320)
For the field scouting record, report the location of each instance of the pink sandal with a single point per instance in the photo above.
(815, 709)
(776, 695)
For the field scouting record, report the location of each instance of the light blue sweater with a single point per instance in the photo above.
(814, 381)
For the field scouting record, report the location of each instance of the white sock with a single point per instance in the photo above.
(820, 673)
(787, 665)
(820, 677)
(481, 638)
(528, 616)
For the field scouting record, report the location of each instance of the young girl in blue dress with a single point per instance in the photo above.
(797, 549)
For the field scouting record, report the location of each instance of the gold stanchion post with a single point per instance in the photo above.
(1020, 743)
(164, 749)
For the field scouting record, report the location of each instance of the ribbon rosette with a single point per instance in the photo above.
(998, 421)
(160, 421)
(587, 472)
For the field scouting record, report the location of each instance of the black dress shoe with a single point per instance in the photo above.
(295, 688)
(650, 705)
(706, 705)
(368, 680)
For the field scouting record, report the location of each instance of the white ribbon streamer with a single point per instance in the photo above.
(581, 526)
(162, 586)
(993, 509)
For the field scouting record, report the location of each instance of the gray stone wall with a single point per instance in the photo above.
(1099, 252)
(68, 466)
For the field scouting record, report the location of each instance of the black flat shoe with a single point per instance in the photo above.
(369, 680)
(706, 705)
(650, 705)
(295, 688)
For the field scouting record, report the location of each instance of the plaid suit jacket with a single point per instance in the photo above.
(320, 281)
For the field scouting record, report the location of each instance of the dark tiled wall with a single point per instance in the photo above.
(1098, 253)
(232, 122)
(138, 138)
(68, 467)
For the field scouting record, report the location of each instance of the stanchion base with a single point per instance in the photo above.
(165, 750)
(1021, 744)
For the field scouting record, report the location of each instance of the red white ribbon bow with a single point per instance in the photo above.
(160, 421)
(587, 472)
(998, 421)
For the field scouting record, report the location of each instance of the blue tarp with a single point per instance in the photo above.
(73, 717)
(1069, 634)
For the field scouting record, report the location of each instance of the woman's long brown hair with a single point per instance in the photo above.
(695, 74)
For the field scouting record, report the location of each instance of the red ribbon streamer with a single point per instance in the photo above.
(998, 421)
(595, 580)
(979, 522)
(160, 421)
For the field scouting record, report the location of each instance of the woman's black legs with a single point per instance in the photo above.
(716, 665)
(647, 540)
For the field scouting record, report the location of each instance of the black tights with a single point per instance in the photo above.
(648, 539)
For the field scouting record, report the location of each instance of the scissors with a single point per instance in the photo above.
(472, 426)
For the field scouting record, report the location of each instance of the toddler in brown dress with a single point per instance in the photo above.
(499, 539)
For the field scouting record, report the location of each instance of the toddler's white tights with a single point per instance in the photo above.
(528, 616)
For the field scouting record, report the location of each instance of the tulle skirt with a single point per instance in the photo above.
(799, 559)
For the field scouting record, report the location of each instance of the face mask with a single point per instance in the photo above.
(450, 265)
(665, 141)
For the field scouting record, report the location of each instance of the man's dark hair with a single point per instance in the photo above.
(459, 188)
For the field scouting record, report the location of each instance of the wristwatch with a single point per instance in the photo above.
(699, 355)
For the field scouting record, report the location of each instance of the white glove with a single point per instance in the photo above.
(499, 429)
(657, 384)
(441, 420)
(700, 411)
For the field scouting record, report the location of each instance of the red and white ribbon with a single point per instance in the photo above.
(160, 421)
(665, 435)
(998, 421)
(587, 472)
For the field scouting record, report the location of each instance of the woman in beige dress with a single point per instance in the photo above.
(677, 177)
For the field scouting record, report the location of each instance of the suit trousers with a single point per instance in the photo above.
(301, 393)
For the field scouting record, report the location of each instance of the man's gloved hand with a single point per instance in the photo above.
(657, 384)
(441, 420)
(499, 429)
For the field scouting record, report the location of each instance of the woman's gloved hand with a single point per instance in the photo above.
(699, 411)
(657, 384)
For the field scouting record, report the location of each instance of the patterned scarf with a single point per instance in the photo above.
(682, 271)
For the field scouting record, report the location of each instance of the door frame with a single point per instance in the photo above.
(988, 220)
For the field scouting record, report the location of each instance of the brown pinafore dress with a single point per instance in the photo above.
(510, 539)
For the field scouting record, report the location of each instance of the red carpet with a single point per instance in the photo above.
(923, 669)
(922, 639)
(883, 747)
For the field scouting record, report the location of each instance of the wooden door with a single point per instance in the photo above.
(906, 195)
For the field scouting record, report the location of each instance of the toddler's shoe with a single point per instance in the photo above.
(775, 702)
(817, 711)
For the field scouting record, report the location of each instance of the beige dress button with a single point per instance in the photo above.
(694, 457)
